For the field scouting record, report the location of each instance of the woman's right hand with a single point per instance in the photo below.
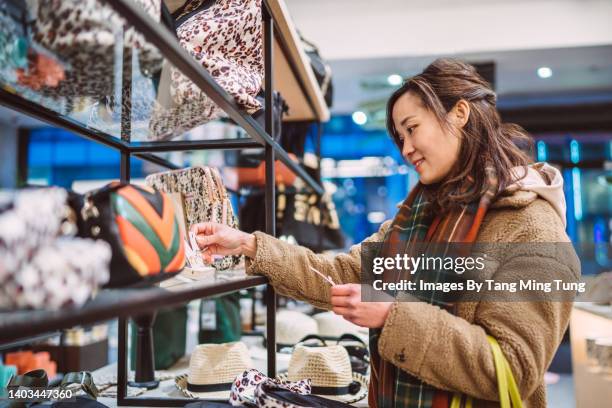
(219, 239)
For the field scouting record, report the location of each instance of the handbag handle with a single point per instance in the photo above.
(350, 337)
(313, 337)
(509, 396)
(209, 185)
(219, 183)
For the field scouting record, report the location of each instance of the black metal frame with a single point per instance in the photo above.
(20, 326)
(164, 40)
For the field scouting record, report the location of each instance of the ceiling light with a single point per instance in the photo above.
(544, 72)
(376, 217)
(360, 118)
(394, 79)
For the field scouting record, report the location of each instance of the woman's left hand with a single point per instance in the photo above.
(346, 302)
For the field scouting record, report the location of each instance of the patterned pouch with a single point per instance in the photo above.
(206, 199)
(244, 386)
(226, 39)
(83, 34)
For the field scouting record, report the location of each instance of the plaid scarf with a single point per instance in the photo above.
(390, 386)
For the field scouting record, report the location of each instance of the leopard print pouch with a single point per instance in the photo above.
(226, 39)
(83, 35)
(205, 199)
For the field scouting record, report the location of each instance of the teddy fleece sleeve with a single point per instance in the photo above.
(288, 267)
(453, 354)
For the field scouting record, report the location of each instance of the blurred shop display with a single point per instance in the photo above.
(142, 101)
(303, 218)
(28, 360)
(591, 339)
(599, 289)
(78, 349)
(38, 243)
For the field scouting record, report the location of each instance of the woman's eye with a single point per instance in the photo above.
(410, 130)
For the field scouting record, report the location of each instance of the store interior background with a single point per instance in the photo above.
(552, 66)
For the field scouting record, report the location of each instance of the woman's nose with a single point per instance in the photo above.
(407, 148)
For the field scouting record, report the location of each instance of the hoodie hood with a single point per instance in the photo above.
(542, 180)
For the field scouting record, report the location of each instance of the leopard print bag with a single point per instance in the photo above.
(226, 39)
(83, 34)
(205, 199)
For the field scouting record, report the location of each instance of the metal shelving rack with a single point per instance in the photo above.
(20, 327)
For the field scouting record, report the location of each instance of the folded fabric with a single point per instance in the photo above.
(271, 395)
(81, 384)
(6, 372)
(35, 378)
(245, 386)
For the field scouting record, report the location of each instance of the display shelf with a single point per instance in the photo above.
(129, 114)
(29, 340)
(113, 303)
(124, 111)
(292, 71)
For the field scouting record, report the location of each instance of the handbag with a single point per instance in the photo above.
(141, 227)
(205, 199)
(256, 176)
(509, 396)
(311, 224)
(83, 34)
(299, 219)
(253, 157)
(357, 351)
(321, 70)
(226, 39)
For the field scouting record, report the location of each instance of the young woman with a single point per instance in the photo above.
(475, 186)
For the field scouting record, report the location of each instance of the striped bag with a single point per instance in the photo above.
(141, 226)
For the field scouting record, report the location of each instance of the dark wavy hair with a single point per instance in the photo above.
(485, 140)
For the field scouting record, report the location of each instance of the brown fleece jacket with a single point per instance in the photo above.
(448, 351)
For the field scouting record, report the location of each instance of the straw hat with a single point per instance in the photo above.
(292, 327)
(332, 326)
(329, 369)
(212, 370)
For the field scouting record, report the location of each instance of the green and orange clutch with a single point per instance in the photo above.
(142, 228)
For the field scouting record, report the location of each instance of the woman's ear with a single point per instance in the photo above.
(460, 113)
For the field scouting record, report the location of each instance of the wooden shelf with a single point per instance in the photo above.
(293, 76)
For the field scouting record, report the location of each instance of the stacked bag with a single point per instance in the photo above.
(38, 243)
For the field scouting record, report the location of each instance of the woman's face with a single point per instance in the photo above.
(432, 150)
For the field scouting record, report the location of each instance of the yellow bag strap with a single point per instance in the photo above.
(508, 390)
(502, 374)
(456, 401)
(515, 395)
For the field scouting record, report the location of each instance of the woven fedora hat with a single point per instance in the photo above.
(329, 369)
(212, 370)
(332, 326)
(292, 327)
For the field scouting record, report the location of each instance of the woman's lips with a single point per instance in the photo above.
(417, 164)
